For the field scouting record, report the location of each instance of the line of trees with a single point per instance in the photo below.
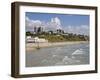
(59, 36)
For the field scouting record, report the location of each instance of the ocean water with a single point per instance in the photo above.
(70, 54)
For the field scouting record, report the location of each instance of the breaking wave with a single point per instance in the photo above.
(78, 52)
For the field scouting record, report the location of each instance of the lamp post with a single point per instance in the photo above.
(37, 41)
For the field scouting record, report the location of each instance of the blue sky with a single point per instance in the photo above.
(74, 20)
(66, 20)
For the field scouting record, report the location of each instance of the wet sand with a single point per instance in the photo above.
(34, 46)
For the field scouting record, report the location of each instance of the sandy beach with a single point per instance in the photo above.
(33, 46)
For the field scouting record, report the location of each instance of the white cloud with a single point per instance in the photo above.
(56, 20)
(30, 24)
(82, 29)
(54, 24)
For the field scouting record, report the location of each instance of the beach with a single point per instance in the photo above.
(33, 46)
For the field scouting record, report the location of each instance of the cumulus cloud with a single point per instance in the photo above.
(56, 20)
(30, 24)
(82, 29)
(54, 24)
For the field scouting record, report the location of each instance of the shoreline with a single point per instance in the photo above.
(33, 46)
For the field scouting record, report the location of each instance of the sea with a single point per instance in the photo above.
(69, 54)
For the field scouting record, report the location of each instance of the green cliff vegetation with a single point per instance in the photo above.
(59, 37)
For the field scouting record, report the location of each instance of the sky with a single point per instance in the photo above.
(78, 24)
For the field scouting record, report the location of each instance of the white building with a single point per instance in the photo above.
(40, 40)
(29, 39)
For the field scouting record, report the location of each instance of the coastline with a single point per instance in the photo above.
(33, 46)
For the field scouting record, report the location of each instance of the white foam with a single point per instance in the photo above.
(78, 52)
(54, 55)
(65, 59)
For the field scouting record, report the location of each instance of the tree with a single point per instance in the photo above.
(35, 29)
(28, 33)
(59, 31)
(39, 30)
